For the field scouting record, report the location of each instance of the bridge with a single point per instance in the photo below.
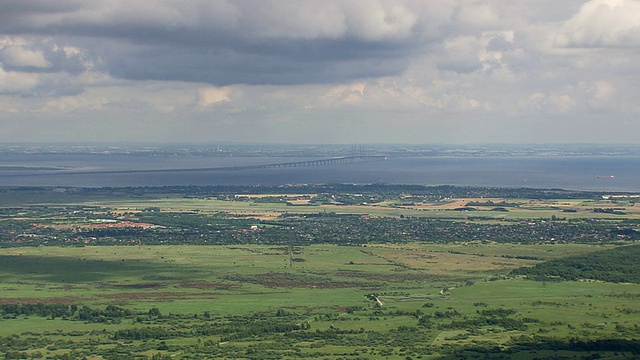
(331, 161)
(322, 162)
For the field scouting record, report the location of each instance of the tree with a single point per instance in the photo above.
(155, 312)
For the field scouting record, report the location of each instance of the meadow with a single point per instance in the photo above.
(431, 289)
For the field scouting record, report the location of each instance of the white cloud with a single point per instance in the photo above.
(350, 88)
(16, 82)
(379, 20)
(561, 103)
(67, 104)
(547, 104)
(603, 23)
(478, 15)
(17, 56)
(212, 95)
(603, 90)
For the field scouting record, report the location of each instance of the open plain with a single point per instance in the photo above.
(227, 276)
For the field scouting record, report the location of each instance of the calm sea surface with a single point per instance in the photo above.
(607, 173)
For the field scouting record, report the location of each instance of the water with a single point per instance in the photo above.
(605, 173)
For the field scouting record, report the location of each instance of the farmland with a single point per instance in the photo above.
(294, 274)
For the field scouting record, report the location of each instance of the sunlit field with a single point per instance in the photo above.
(324, 286)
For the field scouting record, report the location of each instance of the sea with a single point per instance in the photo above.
(588, 173)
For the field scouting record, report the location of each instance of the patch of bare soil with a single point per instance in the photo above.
(284, 280)
(69, 300)
(205, 285)
(69, 287)
(156, 285)
(395, 278)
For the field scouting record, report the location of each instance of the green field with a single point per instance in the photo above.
(325, 287)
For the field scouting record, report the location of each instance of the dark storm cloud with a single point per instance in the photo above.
(20, 17)
(293, 62)
(222, 43)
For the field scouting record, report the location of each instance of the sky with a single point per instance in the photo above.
(321, 72)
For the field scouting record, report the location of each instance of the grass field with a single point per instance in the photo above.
(319, 287)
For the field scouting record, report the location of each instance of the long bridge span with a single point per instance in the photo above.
(321, 162)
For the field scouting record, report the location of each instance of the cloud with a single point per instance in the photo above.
(478, 15)
(12, 82)
(480, 52)
(604, 90)
(234, 42)
(211, 96)
(19, 57)
(459, 70)
(603, 23)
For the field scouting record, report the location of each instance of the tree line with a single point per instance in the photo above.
(614, 265)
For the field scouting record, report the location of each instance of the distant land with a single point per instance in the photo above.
(326, 150)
